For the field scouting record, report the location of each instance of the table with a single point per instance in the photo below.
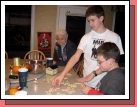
(43, 86)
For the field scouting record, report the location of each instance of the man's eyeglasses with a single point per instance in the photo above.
(58, 39)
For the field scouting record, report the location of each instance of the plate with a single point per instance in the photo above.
(29, 78)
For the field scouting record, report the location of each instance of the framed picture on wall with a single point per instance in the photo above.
(44, 43)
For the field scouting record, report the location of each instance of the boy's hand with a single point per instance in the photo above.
(86, 89)
(57, 81)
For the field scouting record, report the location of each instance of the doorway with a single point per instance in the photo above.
(72, 19)
(75, 26)
(120, 30)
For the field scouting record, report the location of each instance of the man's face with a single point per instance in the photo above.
(61, 40)
(95, 22)
(103, 63)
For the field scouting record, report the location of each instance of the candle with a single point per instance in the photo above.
(16, 61)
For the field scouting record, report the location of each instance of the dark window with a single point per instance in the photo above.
(17, 30)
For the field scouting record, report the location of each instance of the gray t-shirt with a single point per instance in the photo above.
(113, 83)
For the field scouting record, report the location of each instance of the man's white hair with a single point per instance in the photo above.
(62, 32)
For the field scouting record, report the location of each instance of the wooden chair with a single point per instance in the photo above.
(35, 55)
(6, 55)
(79, 68)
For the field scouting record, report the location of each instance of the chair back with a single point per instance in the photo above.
(35, 55)
(6, 55)
(79, 68)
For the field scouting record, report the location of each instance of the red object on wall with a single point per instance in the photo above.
(44, 43)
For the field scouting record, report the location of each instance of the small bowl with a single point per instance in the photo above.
(21, 92)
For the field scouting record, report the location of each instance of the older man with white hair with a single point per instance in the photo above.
(64, 48)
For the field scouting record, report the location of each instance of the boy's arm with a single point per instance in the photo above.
(72, 61)
(90, 91)
(91, 75)
(94, 92)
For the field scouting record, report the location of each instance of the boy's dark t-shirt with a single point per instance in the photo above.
(113, 83)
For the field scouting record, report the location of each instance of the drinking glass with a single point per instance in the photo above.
(49, 61)
(7, 84)
(22, 73)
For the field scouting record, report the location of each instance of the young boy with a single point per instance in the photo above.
(113, 83)
(88, 45)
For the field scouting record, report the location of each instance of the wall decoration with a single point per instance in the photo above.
(44, 43)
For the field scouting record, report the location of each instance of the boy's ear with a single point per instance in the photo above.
(101, 18)
(112, 60)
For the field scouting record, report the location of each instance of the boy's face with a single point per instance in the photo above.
(104, 64)
(95, 22)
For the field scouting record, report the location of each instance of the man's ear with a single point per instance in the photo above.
(101, 18)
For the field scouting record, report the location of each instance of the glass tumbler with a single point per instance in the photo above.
(7, 84)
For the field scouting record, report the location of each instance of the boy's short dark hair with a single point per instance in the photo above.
(95, 10)
(109, 50)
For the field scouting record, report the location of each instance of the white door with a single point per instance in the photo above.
(64, 10)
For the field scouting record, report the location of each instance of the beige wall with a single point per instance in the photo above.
(45, 21)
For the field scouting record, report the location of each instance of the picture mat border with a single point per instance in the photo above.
(126, 34)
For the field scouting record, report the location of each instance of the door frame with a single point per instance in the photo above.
(76, 14)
